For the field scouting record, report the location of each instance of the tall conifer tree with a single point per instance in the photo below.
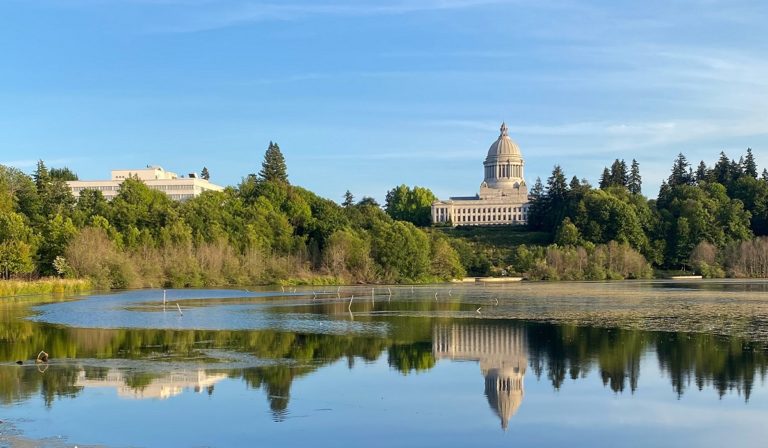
(681, 171)
(349, 200)
(635, 182)
(750, 167)
(701, 172)
(273, 167)
(605, 179)
(722, 171)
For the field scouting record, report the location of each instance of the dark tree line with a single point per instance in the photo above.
(620, 176)
(720, 205)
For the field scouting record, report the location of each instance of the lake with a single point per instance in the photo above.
(647, 363)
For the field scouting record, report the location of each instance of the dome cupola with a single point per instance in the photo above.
(504, 146)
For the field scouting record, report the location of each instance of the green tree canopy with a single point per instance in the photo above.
(410, 204)
(401, 250)
(567, 234)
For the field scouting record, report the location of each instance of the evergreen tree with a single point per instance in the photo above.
(701, 172)
(605, 179)
(63, 174)
(623, 178)
(635, 182)
(681, 172)
(664, 191)
(575, 184)
(205, 174)
(538, 189)
(750, 167)
(554, 205)
(41, 176)
(722, 171)
(53, 192)
(273, 168)
(349, 200)
(618, 174)
(537, 210)
(557, 187)
(765, 174)
(737, 169)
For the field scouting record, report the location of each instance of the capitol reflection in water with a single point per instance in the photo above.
(501, 351)
(161, 387)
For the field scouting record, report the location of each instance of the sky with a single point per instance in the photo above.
(366, 95)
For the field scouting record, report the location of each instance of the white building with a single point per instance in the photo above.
(155, 177)
(503, 197)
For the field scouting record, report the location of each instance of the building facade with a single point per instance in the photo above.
(503, 196)
(155, 177)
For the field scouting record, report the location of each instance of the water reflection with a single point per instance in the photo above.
(554, 352)
(501, 351)
(130, 385)
(165, 363)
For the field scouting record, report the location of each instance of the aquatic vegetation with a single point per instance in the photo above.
(44, 286)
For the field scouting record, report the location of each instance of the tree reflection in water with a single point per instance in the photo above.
(504, 349)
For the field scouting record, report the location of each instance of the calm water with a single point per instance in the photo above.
(583, 364)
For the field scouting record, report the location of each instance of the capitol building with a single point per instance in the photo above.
(503, 196)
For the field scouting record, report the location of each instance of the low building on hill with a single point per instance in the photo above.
(503, 196)
(155, 177)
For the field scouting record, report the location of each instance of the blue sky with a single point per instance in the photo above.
(366, 95)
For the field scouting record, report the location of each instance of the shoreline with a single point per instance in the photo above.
(19, 288)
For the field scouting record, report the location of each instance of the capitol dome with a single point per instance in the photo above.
(504, 146)
(504, 165)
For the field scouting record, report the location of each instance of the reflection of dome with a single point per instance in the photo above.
(501, 351)
(504, 391)
(504, 163)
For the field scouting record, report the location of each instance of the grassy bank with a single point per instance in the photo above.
(10, 288)
(498, 236)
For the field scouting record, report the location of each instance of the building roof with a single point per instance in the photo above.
(504, 146)
(465, 198)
